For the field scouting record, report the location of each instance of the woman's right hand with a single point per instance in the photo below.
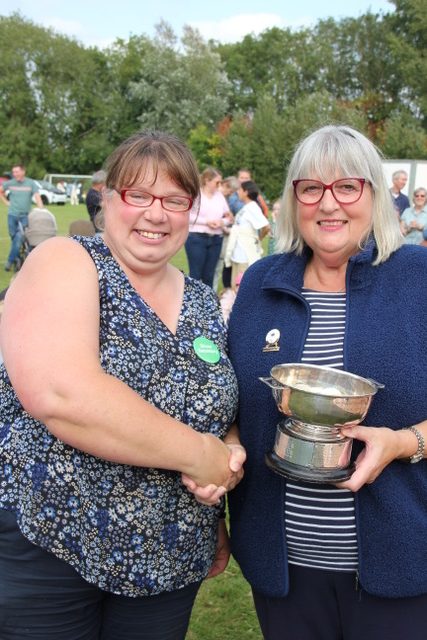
(212, 465)
(211, 493)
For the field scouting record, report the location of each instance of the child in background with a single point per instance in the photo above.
(274, 215)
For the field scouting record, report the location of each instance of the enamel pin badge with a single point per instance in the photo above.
(272, 341)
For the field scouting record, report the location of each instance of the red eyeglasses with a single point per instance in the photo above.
(135, 198)
(344, 190)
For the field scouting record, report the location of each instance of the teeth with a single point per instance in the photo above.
(151, 235)
(329, 223)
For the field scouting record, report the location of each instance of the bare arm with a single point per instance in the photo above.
(49, 340)
(264, 231)
(3, 197)
(39, 201)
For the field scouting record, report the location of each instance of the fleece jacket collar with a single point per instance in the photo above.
(293, 266)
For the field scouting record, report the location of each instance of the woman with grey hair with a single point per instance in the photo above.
(347, 560)
(413, 220)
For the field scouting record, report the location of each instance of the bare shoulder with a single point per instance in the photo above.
(59, 248)
(55, 258)
(58, 267)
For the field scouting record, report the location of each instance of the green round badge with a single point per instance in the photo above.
(206, 350)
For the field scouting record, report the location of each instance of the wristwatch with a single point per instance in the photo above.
(419, 454)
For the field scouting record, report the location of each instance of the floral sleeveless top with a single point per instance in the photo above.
(129, 530)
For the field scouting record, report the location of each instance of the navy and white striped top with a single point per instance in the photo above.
(320, 520)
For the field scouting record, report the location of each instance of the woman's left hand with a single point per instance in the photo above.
(381, 447)
(222, 554)
(211, 494)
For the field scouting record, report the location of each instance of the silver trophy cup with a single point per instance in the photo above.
(318, 401)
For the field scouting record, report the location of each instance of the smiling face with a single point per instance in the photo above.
(399, 181)
(334, 231)
(420, 199)
(18, 172)
(212, 185)
(144, 239)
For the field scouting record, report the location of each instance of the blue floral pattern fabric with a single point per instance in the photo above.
(129, 530)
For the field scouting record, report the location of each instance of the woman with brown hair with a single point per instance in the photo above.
(204, 242)
(116, 384)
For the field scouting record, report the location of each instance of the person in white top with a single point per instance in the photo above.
(250, 227)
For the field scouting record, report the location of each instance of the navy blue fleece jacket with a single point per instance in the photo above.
(385, 339)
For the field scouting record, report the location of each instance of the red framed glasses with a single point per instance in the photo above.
(143, 199)
(344, 190)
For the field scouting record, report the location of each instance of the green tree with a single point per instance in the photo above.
(181, 85)
(403, 136)
(278, 62)
(236, 145)
(269, 147)
(356, 64)
(408, 44)
(125, 64)
(205, 146)
(53, 111)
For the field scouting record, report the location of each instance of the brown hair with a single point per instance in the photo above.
(208, 174)
(154, 151)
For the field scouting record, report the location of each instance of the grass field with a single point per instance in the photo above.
(224, 609)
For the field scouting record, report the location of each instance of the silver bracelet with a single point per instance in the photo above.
(419, 454)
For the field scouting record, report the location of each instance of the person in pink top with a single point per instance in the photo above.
(203, 245)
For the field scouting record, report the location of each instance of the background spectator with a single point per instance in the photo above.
(413, 220)
(94, 197)
(228, 186)
(401, 201)
(21, 191)
(244, 175)
(41, 226)
(204, 242)
(250, 226)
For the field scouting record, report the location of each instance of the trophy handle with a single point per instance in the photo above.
(271, 382)
(378, 385)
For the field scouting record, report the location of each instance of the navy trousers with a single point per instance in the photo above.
(203, 251)
(328, 605)
(43, 598)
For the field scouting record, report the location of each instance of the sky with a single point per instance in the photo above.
(100, 22)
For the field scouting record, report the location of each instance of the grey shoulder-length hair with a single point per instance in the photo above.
(327, 153)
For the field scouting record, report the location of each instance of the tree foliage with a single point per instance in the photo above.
(63, 106)
(180, 85)
(53, 110)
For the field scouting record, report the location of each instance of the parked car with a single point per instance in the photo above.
(50, 194)
(4, 177)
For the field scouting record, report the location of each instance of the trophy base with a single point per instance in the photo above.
(297, 472)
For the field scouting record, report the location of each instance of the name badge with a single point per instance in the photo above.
(206, 350)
